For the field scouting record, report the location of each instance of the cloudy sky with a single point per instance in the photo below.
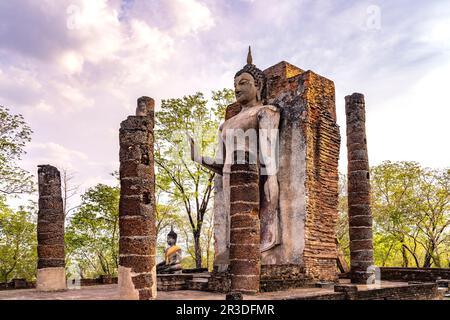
(74, 68)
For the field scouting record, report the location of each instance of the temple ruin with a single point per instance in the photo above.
(274, 217)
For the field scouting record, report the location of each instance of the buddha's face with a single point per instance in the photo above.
(245, 88)
(171, 241)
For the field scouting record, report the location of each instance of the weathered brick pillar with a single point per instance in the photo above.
(51, 273)
(360, 216)
(245, 255)
(137, 246)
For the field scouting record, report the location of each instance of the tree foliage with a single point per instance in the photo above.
(14, 134)
(18, 255)
(92, 237)
(411, 212)
(411, 209)
(183, 181)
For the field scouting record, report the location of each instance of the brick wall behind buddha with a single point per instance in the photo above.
(308, 113)
(323, 143)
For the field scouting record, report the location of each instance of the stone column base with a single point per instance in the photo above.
(127, 291)
(51, 279)
(131, 290)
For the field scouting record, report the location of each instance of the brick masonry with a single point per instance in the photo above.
(173, 282)
(137, 245)
(283, 277)
(308, 112)
(245, 255)
(414, 274)
(219, 282)
(322, 139)
(422, 291)
(359, 212)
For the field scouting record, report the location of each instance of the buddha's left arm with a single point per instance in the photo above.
(269, 120)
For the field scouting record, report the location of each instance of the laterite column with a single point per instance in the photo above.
(360, 215)
(245, 255)
(51, 274)
(137, 246)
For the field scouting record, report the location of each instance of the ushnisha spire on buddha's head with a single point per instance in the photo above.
(172, 234)
(249, 55)
(257, 74)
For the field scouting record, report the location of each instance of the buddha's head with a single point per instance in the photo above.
(172, 237)
(249, 83)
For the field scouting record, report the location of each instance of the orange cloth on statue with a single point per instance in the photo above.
(170, 252)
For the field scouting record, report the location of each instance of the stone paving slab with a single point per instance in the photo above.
(110, 292)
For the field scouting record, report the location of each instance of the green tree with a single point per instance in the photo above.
(184, 181)
(167, 210)
(14, 134)
(411, 209)
(342, 236)
(92, 237)
(18, 255)
(432, 214)
(207, 241)
(393, 199)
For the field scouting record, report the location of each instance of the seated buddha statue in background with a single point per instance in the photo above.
(172, 256)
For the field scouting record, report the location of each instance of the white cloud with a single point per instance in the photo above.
(92, 181)
(42, 106)
(73, 96)
(439, 34)
(18, 77)
(191, 16)
(149, 48)
(72, 62)
(414, 126)
(98, 29)
(55, 154)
